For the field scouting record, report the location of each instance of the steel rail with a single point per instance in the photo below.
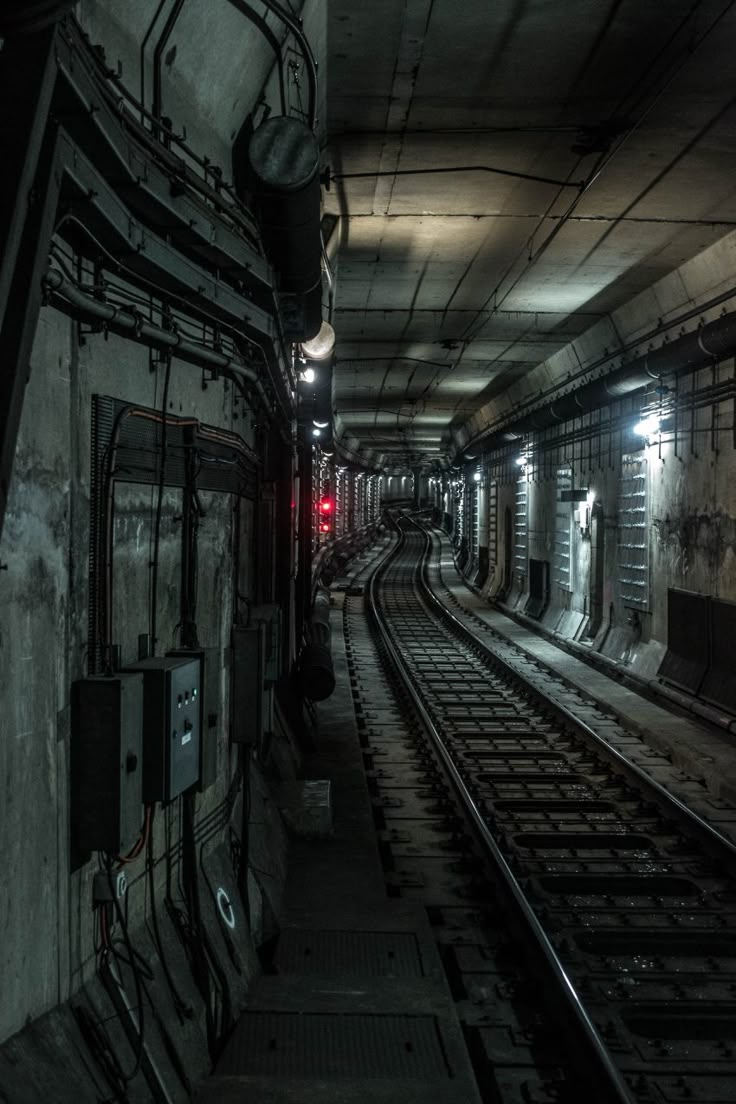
(613, 1086)
(709, 835)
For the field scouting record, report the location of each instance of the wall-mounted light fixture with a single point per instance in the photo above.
(649, 426)
(584, 509)
(322, 346)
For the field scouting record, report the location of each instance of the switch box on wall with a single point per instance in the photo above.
(270, 615)
(106, 762)
(212, 706)
(249, 704)
(172, 725)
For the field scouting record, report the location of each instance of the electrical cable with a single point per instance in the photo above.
(244, 852)
(217, 324)
(68, 297)
(121, 295)
(176, 168)
(159, 504)
(102, 1052)
(140, 843)
(140, 280)
(140, 1027)
(145, 969)
(580, 185)
(142, 59)
(200, 965)
(294, 25)
(183, 1008)
(601, 163)
(260, 22)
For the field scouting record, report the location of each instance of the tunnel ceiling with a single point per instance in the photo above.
(451, 285)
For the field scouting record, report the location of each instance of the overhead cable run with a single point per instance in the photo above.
(72, 300)
(294, 25)
(328, 176)
(605, 156)
(709, 343)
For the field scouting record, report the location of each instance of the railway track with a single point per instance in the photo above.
(586, 919)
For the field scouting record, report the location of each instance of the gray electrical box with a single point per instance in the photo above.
(248, 683)
(106, 762)
(172, 725)
(270, 616)
(212, 664)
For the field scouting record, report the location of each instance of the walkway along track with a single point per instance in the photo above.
(587, 919)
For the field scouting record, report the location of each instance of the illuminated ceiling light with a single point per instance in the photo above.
(648, 427)
(476, 477)
(316, 432)
(321, 346)
(308, 375)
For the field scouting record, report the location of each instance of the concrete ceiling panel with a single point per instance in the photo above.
(499, 282)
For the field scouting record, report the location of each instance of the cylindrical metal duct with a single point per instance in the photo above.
(713, 341)
(320, 625)
(283, 174)
(316, 673)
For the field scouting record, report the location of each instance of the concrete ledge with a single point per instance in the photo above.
(245, 1089)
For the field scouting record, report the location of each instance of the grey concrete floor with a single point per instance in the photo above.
(357, 1035)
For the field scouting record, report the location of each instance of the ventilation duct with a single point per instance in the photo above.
(282, 172)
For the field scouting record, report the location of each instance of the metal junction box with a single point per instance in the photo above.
(249, 704)
(270, 616)
(211, 660)
(172, 725)
(106, 766)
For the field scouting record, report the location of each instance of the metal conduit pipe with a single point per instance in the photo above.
(294, 25)
(713, 341)
(261, 24)
(144, 43)
(158, 54)
(71, 299)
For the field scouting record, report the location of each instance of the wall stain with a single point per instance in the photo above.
(707, 536)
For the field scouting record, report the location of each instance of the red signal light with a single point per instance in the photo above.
(326, 505)
(325, 527)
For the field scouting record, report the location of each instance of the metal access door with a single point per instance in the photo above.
(508, 548)
(597, 563)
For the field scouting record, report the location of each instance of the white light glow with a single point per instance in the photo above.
(476, 477)
(321, 346)
(320, 425)
(520, 461)
(648, 427)
(309, 375)
(316, 432)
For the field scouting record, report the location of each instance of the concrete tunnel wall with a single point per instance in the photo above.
(690, 496)
(46, 915)
(48, 928)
